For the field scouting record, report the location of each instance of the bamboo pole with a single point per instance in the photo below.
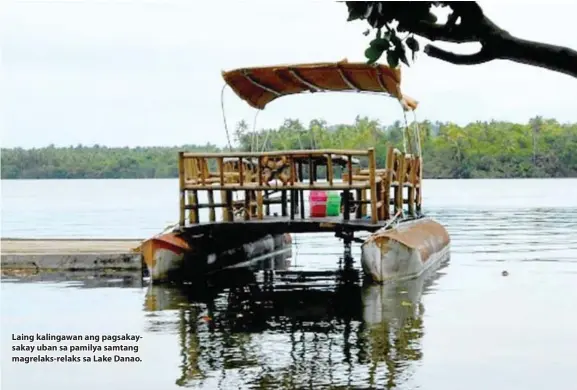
(420, 187)
(284, 201)
(229, 206)
(413, 181)
(220, 165)
(292, 171)
(259, 171)
(197, 170)
(259, 202)
(240, 171)
(350, 168)
(223, 208)
(203, 168)
(280, 153)
(211, 211)
(182, 211)
(388, 181)
(322, 186)
(330, 169)
(247, 205)
(346, 205)
(311, 170)
(373, 184)
(401, 173)
(359, 198)
(381, 201)
(193, 201)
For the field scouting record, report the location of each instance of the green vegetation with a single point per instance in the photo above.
(540, 148)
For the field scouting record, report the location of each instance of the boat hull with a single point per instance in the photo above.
(404, 251)
(170, 256)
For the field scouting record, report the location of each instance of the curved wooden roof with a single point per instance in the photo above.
(259, 86)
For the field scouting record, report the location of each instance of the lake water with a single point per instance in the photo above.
(464, 326)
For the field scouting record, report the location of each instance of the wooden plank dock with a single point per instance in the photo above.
(70, 254)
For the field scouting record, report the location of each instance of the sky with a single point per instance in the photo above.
(128, 73)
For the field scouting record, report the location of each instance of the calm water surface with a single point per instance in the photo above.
(463, 326)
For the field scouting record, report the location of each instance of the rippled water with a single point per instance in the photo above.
(463, 326)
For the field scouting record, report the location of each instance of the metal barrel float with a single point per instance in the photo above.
(173, 255)
(404, 251)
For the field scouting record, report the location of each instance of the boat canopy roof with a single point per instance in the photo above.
(259, 86)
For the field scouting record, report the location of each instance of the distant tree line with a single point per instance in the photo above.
(539, 148)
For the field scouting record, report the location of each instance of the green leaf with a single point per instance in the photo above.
(373, 54)
(412, 43)
(380, 44)
(395, 40)
(402, 55)
(393, 58)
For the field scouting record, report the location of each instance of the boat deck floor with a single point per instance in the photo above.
(280, 224)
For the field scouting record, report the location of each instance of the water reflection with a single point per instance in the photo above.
(76, 279)
(318, 330)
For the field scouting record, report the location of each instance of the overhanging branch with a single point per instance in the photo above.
(459, 59)
(474, 26)
(558, 58)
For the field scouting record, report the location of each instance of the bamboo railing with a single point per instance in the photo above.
(258, 176)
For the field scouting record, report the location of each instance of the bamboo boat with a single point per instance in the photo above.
(385, 201)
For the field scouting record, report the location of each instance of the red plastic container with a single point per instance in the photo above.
(318, 204)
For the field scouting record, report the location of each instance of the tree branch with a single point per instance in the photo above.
(558, 58)
(474, 26)
(438, 32)
(459, 59)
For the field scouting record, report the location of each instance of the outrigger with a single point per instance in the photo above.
(387, 201)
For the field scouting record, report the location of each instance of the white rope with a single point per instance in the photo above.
(224, 117)
(418, 134)
(392, 220)
(225, 124)
(405, 130)
(254, 146)
(420, 154)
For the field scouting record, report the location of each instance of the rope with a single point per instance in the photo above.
(254, 147)
(418, 136)
(404, 132)
(420, 153)
(392, 220)
(224, 117)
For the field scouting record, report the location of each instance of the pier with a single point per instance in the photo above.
(70, 254)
